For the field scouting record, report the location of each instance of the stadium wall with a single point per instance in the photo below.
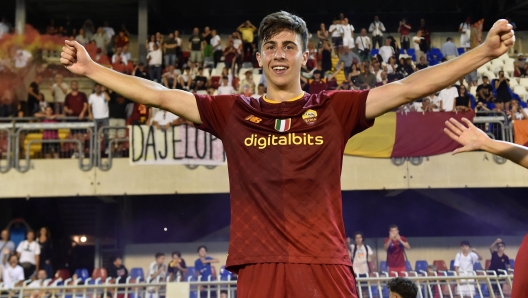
(62, 177)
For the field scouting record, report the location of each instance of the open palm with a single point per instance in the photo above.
(470, 137)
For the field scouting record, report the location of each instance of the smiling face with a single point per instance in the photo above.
(281, 58)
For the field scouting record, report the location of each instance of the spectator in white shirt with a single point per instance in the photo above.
(348, 34)
(336, 31)
(7, 247)
(361, 255)
(377, 28)
(261, 90)
(28, 252)
(154, 62)
(417, 42)
(157, 269)
(386, 51)
(119, 57)
(13, 274)
(126, 53)
(39, 283)
(163, 120)
(98, 110)
(226, 88)
(216, 42)
(59, 90)
(465, 33)
(464, 262)
(363, 45)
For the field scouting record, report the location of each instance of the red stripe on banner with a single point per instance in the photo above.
(419, 134)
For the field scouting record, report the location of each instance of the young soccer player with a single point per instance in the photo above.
(285, 152)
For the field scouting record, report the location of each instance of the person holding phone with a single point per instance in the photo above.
(395, 246)
(464, 266)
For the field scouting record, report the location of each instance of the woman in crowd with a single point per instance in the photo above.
(312, 56)
(81, 37)
(46, 248)
(462, 103)
(322, 34)
(326, 56)
(354, 74)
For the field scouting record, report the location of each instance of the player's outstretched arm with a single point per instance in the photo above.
(432, 79)
(472, 138)
(75, 58)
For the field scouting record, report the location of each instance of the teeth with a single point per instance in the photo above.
(279, 67)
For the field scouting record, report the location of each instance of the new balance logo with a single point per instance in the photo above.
(253, 119)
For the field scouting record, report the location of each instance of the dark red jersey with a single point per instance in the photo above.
(284, 162)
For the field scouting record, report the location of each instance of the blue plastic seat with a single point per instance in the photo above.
(191, 274)
(224, 274)
(374, 52)
(137, 272)
(421, 265)
(408, 266)
(82, 274)
(383, 266)
(411, 52)
(461, 51)
(512, 263)
(477, 266)
(452, 265)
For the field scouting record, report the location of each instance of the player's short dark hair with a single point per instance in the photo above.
(449, 39)
(200, 247)
(176, 253)
(114, 258)
(359, 233)
(403, 287)
(261, 85)
(393, 226)
(464, 242)
(159, 254)
(277, 22)
(484, 77)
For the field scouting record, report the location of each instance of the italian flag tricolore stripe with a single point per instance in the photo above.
(282, 124)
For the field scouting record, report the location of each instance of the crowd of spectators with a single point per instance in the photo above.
(206, 64)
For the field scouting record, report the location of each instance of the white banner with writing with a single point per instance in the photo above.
(178, 145)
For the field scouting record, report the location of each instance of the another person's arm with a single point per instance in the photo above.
(500, 39)
(480, 258)
(494, 245)
(75, 58)
(472, 138)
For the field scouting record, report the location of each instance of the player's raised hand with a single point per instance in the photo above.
(500, 38)
(75, 58)
(470, 137)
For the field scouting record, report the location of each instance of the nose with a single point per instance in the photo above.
(279, 54)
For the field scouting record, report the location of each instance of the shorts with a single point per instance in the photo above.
(196, 56)
(472, 76)
(78, 131)
(397, 269)
(349, 42)
(281, 280)
(337, 41)
(50, 148)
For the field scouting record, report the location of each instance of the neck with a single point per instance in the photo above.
(284, 94)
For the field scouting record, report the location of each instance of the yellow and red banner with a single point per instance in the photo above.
(520, 131)
(406, 135)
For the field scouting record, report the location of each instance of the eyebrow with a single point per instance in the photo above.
(286, 42)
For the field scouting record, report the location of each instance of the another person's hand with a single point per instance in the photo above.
(500, 38)
(470, 137)
(75, 58)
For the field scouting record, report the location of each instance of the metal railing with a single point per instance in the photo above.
(481, 284)
(15, 150)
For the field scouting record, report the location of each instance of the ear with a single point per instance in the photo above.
(259, 59)
(306, 54)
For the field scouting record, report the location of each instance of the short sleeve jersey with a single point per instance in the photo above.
(203, 269)
(284, 164)
(395, 253)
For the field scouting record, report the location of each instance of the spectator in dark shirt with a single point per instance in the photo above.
(366, 80)
(485, 91)
(117, 269)
(46, 250)
(141, 71)
(170, 50)
(229, 54)
(195, 46)
(76, 105)
(422, 64)
(200, 81)
(177, 267)
(462, 102)
(117, 110)
(499, 260)
(34, 96)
